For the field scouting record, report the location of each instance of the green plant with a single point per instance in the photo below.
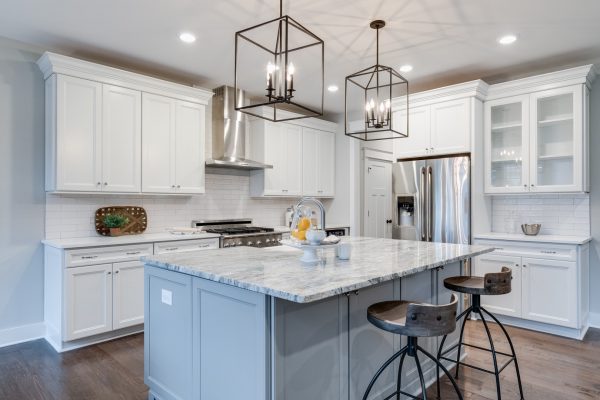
(115, 220)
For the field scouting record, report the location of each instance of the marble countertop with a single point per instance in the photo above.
(283, 228)
(95, 241)
(277, 271)
(520, 237)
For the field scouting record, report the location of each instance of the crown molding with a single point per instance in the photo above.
(477, 89)
(583, 75)
(52, 63)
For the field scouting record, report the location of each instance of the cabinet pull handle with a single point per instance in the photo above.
(498, 248)
(173, 186)
(99, 183)
(525, 185)
(178, 186)
(171, 248)
(108, 273)
(547, 252)
(117, 271)
(524, 266)
(105, 183)
(89, 257)
(132, 253)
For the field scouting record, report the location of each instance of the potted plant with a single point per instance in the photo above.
(114, 222)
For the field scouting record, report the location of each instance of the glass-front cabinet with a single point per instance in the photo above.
(535, 142)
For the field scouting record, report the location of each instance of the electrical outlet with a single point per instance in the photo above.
(167, 297)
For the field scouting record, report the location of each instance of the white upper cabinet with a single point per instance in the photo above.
(418, 141)
(101, 138)
(303, 160)
(451, 127)
(537, 141)
(121, 139)
(73, 134)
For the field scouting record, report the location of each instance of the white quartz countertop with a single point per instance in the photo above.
(95, 241)
(520, 237)
(283, 228)
(277, 271)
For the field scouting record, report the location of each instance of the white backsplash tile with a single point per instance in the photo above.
(564, 214)
(227, 196)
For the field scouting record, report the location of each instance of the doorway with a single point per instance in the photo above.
(377, 212)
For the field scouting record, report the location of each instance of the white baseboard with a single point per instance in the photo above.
(594, 320)
(22, 334)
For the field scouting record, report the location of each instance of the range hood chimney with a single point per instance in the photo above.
(229, 132)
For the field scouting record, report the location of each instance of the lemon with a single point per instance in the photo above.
(303, 224)
(298, 234)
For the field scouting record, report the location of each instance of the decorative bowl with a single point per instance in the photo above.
(531, 229)
(315, 236)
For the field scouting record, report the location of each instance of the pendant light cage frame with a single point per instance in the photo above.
(256, 46)
(388, 89)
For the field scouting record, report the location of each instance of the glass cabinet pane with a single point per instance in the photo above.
(555, 145)
(506, 145)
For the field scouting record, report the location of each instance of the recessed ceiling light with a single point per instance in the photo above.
(507, 39)
(406, 68)
(187, 37)
(332, 88)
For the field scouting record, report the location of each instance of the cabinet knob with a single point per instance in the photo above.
(525, 185)
(532, 185)
(173, 186)
(116, 272)
(178, 186)
(99, 183)
(108, 273)
(105, 183)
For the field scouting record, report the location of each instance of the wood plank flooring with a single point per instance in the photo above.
(552, 368)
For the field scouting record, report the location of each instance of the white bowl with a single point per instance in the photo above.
(315, 236)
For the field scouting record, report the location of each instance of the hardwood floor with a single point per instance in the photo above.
(552, 368)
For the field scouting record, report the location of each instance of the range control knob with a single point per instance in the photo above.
(258, 242)
(268, 240)
(249, 243)
(239, 243)
(226, 245)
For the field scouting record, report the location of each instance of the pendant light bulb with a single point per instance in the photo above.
(291, 69)
(372, 103)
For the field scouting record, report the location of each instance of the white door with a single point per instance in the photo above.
(88, 301)
(310, 170)
(293, 160)
(378, 194)
(506, 304)
(451, 127)
(128, 294)
(121, 139)
(325, 164)
(78, 127)
(550, 291)
(189, 147)
(507, 145)
(556, 138)
(417, 142)
(158, 144)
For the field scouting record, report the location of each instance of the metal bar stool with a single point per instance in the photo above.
(413, 320)
(492, 284)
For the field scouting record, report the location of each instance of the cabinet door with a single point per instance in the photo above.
(78, 126)
(293, 160)
(274, 144)
(506, 304)
(88, 301)
(507, 145)
(128, 294)
(121, 139)
(370, 346)
(550, 291)
(417, 142)
(189, 147)
(557, 140)
(325, 164)
(451, 127)
(158, 144)
(311, 143)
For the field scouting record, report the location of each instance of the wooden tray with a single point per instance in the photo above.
(138, 219)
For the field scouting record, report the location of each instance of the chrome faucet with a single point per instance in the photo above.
(318, 203)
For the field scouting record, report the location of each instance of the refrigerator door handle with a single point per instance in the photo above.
(429, 204)
(423, 201)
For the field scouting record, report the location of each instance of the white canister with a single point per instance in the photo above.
(343, 251)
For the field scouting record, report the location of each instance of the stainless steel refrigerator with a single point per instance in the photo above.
(432, 200)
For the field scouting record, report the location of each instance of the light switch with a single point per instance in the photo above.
(167, 297)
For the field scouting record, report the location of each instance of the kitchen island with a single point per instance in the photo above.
(256, 323)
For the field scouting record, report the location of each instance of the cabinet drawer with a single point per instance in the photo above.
(110, 254)
(186, 245)
(563, 252)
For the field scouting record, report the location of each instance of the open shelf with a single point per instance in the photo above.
(507, 125)
(554, 157)
(556, 119)
(502, 160)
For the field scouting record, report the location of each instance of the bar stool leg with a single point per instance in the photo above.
(399, 381)
(383, 367)
(489, 335)
(421, 378)
(467, 315)
(440, 365)
(512, 349)
(466, 312)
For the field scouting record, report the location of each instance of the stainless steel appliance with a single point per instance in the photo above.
(337, 231)
(240, 232)
(437, 191)
(229, 132)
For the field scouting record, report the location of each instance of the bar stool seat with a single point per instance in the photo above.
(492, 284)
(414, 320)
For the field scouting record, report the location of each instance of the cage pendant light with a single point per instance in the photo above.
(376, 101)
(280, 64)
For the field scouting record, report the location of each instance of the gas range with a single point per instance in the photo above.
(240, 232)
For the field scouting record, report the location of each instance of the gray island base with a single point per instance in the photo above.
(257, 324)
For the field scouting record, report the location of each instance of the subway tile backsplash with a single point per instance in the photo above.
(227, 196)
(559, 214)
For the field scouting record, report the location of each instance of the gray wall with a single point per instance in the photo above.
(22, 186)
(595, 200)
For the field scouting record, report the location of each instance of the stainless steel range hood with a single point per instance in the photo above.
(229, 132)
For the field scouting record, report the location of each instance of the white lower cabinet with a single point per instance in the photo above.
(549, 287)
(128, 294)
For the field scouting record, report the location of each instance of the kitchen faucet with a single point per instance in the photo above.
(318, 203)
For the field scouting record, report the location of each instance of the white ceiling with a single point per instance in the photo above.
(447, 41)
